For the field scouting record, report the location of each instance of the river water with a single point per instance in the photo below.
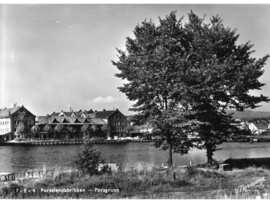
(19, 158)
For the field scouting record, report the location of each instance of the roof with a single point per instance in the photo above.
(98, 121)
(8, 111)
(68, 120)
(104, 114)
(88, 112)
(261, 125)
(69, 113)
(4, 113)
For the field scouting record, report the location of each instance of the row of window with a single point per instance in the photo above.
(4, 122)
(29, 122)
(118, 129)
(16, 122)
(118, 123)
(119, 117)
(3, 130)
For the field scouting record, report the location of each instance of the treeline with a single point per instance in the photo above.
(255, 119)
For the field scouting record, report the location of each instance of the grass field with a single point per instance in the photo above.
(145, 182)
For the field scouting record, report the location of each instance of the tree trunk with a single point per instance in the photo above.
(209, 154)
(170, 161)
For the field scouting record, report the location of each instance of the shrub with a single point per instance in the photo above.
(88, 161)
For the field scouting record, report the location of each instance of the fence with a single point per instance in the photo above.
(43, 173)
(35, 174)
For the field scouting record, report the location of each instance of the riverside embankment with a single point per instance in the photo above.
(145, 182)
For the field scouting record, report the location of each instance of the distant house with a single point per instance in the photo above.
(244, 125)
(268, 125)
(10, 118)
(115, 120)
(261, 127)
(253, 128)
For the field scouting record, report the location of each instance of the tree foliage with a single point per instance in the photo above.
(184, 76)
(86, 130)
(21, 129)
(129, 128)
(88, 160)
(48, 129)
(35, 130)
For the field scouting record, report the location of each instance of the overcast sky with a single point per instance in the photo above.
(54, 56)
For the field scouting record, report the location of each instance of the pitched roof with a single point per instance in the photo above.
(103, 114)
(261, 125)
(6, 111)
(67, 113)
(61, 119)
(89, 112)
(98, 121)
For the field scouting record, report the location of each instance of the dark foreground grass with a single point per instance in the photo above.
(249, 162)
(189, 184)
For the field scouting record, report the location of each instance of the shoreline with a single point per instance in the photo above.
(116, 141)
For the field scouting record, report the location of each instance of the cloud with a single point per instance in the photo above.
(104, 100)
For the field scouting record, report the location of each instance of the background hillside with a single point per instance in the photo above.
(249, 114)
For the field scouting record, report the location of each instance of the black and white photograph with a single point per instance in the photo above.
(154, 100)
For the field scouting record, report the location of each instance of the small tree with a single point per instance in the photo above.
(129, 129)
(70, 131)
(48, 129)
(88, 161)
(94, 128)
(35, 130)
(86, 130)
(105, 129)
(58, 129)
(20, 130)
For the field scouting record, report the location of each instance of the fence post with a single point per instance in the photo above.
(174, 176)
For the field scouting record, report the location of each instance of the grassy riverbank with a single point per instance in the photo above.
(145, 182)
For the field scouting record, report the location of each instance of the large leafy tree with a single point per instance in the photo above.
(184, 77)
(152, 65)
(221, 74)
